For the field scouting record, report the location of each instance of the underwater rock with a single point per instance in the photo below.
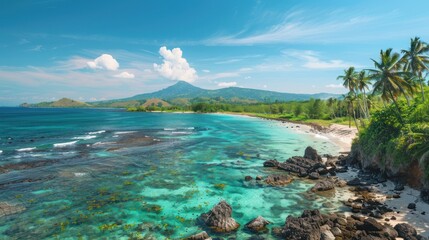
(25, 165)
(278, 180)
(219, 218)
(199, 236)
(324, 185)
(258, 224)
(248, 178)
(311, 153)
(9, 209)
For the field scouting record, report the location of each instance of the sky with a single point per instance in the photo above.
(97, 50)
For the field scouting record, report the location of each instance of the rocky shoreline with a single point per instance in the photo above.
(368, 215)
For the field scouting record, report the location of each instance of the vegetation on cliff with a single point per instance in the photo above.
(396, 135)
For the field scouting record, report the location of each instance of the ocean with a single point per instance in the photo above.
(112, 174)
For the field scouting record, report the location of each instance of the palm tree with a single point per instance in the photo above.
(349, 79)
(390, 81)
(350, 98)
(362, 84)
(416, 61)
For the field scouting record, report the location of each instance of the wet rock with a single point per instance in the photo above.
(258, 225)
(311, 153)
(200, 236)
(405, 231)
(300, 165)
(259, 178)
(271, 163)
(314, 176)
(389, 232)
(219, 218)
(305, 227)
(278, 180)
(412, 206)
(323, 185)
(248, 178)
(340, 183)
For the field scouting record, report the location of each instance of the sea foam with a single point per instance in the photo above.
(86, 137)
(26, 149)
(97, 132)
(64, 144)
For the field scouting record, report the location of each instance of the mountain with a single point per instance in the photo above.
(63, 102)
(183, 93)
(185, 90)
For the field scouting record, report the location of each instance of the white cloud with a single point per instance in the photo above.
(297, 26)
(227, 84)
(265, 86)
(124, 75)
(174, 66)
(105, 61)
(312, 60)
(334, 86)
(206, 71)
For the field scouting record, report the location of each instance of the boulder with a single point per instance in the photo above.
(278, 180)
(412, 206)
(259, 178)
(258, 225)
(219, 218)
(200, 236)
(323, 185)
(354, 182)
(370, 225)
(311, 153)
(405, 230)
(305, 227)
(271, 163)
(248, 178)
(327, 235)
(314, 176)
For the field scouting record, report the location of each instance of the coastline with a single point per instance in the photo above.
(342, 136)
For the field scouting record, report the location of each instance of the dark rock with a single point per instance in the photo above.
(396, 195)
(314, 175)
(389, 232)
(258, 225)
(271, 163)
(199, 236)
(423, 213)
(219, 218)
(341, 170)
(393, 218)
(405, 230)
(412, 206)
(305, 227)
(323, 185)
(248, 178)
(278, 180)
(322, 171)
(311, 153)
(354, 182)
(259, 178)
(370, 224)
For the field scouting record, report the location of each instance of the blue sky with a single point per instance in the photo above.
(95, 50)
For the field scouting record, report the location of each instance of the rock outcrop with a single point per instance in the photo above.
(278, 180)
(219, 219)
(199, 236)
(258, 224)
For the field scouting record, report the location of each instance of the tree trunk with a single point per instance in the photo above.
(422, 89)
(397, 107)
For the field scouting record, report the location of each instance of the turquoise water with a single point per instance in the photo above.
(107, 171)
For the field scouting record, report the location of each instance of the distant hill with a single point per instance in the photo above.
(184, 90)
(183, 93)
(63, 102)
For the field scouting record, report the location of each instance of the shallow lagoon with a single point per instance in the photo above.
(115, 174)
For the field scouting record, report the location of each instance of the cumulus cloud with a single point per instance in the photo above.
(227, 84)
(124, 75)
(105, 61)
(174, 66)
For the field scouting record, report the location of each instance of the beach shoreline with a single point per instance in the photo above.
(342, 136)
